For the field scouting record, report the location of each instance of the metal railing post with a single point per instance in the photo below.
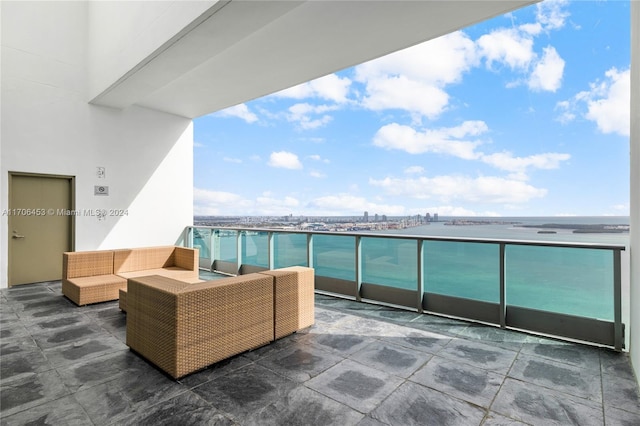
(271, 252)
(238, 251)
(188, 240)
(212, 249)
(421, 276)
(310, 250)
(503, 288)
(617, 301)
(358, 268)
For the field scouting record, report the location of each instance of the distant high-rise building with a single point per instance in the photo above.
(435, 217)
(427, 217)
(384, 217)
(375, 218)
(366, 216)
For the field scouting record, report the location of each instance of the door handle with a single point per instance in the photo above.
(17, 236)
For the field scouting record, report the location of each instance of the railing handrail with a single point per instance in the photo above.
(566, 244)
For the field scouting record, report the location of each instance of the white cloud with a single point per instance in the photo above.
(610, 102)
(607, 103)
(347, 204)
(531, 28)
(454, 141)
(399, 92)
(619, 209)
(308, 116)
(232, 160)
(566, 115)
(316, 157)
(547, 74)
(217, 203)
(211, 203)
(439, 61)
(442, 141)
(284, 160)
(316, 140)
(330, 87)
(551, 14)
(275, 206)
(514, 47)
(413, 79)
(302, 114)
(448, 210)
(317, 174)
(508, 46)
(239, 111)
(520, 165)
(485, 189)
(414, 170)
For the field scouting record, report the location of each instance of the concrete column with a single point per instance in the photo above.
(634, 142)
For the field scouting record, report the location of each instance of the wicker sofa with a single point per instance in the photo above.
(98, 276)
(182, 327)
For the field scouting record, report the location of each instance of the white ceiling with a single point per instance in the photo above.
(248, 49)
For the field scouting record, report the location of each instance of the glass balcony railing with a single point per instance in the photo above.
(560, 289)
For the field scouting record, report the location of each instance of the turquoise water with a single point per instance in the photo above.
(573, 281)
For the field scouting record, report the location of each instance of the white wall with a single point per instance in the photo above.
(634, 346)
(48, 127)
(124, 34)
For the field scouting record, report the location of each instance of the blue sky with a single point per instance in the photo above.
(526, 114)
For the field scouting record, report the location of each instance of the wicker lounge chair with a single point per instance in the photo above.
(99, 276)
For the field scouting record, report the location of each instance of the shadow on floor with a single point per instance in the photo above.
(359, 364)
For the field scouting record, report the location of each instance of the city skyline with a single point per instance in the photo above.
(526, 114)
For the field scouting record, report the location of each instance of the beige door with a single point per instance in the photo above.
(40, 229)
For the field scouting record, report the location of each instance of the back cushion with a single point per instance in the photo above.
(139, 259)
(186, 258)
(87, 263)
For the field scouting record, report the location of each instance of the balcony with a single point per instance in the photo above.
(571, 291)
(360, 363)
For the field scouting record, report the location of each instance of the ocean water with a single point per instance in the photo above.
(573, 281)
(567, 280)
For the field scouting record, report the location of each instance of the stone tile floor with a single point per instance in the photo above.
(360, 364)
